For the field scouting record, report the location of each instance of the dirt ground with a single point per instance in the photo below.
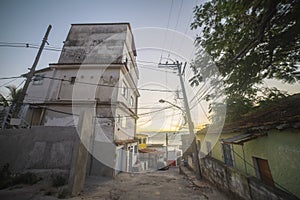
(167, 184)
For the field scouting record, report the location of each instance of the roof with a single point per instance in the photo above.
(122, 142)
(242, 138)
(155, 145)
(97, 43)
(282, 115)
(140, 135)
(148, 150)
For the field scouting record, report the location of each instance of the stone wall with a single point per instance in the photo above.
(225, 178)
(238, 184)
(40, 148)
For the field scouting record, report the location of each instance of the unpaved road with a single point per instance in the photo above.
(167, 184)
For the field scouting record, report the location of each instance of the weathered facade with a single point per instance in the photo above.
(96, 70)
(260, 150)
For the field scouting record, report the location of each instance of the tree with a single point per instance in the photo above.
(13, 96)
(247, 41)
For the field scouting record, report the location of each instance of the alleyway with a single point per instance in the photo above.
(167, 184)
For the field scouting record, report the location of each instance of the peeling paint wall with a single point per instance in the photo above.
(238, 184)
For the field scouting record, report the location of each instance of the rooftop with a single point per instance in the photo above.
(281, 115)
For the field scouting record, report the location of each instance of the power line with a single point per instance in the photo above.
(112, 86)
(4, 84)
(13, 77)
(177, 20)
(63, 112)
(155, 69)
(168, 23)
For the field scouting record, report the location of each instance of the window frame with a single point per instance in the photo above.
(124, 90)
(228, 158)
(72, 80)
(131, 102)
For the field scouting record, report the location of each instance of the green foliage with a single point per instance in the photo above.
(58, 181)
(13, 96)
(250, 40)
(242, 43)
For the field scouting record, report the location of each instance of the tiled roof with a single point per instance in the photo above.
(284, 114)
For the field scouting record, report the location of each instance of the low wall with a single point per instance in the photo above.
(190, 162)
(225, 178)
(238, 184)
(40, 148)
(262, 191)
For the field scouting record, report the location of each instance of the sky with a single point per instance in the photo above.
(156, 25)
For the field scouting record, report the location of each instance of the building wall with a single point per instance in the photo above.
(38, 93)
(237, 184)
(280, 148)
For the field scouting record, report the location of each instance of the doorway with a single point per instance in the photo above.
(262, 170)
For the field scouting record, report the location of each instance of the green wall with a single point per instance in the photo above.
(280, 148)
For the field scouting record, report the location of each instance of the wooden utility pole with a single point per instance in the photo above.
(30, 75)
(177, 66)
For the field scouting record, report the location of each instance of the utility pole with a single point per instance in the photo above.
(30, 75)
(188, 116)
(167, 143)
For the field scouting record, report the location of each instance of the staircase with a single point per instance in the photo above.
(5, 119)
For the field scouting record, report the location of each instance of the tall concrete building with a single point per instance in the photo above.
(96, 70)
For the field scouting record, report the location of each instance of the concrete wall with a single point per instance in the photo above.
(102, 162)
(238, 184)
(37, 148)
(228, 179)
(40, 93)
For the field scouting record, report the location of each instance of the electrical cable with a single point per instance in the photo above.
(103, 85)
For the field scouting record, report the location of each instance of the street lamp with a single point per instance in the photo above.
(165, 101)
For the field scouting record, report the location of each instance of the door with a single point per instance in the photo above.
(263, 171)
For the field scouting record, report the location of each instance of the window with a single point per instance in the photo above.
(118, 118)
(123, 122)
(38, 80)
(262, 170)
(144, 141)
(227, 154)
(131, 102)
(72, 80)
(124, 90)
